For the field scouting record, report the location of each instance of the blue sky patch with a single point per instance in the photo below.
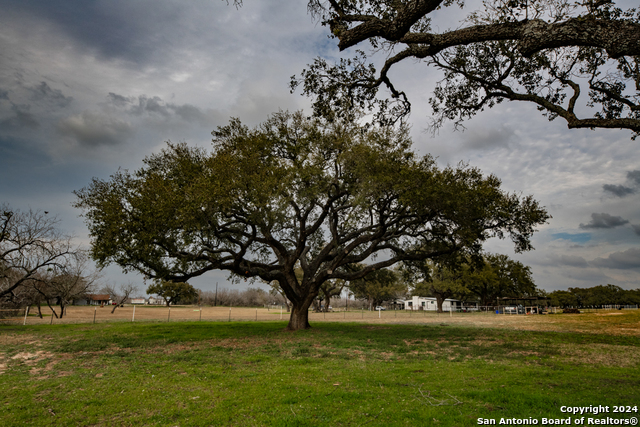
(576, 238)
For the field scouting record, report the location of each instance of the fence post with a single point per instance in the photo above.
(256, 314)
(95, 309)
(200, 309)
(133, 316)
(26, 311)
(169, 316)
(229, 314)
(280, 312)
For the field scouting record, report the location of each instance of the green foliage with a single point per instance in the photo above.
(595, 296)
(173, 292)
(499, 276)
(379, 286)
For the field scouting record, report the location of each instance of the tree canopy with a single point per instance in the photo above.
(498, 276)
(172, 291)
(378, 287)
(297, 191)
(576, 60)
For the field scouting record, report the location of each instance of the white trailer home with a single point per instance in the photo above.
(430, 304)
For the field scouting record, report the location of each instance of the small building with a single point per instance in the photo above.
(95, 299)
(431, 304)
(157, 301)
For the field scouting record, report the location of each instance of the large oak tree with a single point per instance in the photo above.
(576, 60)
(297, 191)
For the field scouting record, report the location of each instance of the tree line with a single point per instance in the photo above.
(596, 296)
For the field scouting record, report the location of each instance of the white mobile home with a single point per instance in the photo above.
(157, 301)
(430, 304)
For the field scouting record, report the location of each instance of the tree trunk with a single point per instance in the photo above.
(439, 301)
(299, 318)
(327, 301)
(52, 310)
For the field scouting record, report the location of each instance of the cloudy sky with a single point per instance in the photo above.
(87, 87)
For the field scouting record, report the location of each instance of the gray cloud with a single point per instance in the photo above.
(634, 176)
(636, 228)
(604, 220)
(21, 119)
(4, 94)
(154, 105)
(44, 93)
(618, 190)
(125, 30)
(620, 260)
(157, 106)
(189, 113)
(119, 100)
(485, 138)
(92, 129)
(572, 260)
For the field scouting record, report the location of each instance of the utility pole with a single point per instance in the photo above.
(215, 303)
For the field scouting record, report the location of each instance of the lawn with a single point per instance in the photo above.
(351, 374)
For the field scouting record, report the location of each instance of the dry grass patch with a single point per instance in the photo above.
(17, 339)
(621, 356)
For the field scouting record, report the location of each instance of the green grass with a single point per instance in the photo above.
(200, 374)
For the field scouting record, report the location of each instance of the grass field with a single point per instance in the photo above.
(434, 370)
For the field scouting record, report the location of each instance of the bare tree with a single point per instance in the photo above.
(121, 294)
(30, 244)
(66, 283)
